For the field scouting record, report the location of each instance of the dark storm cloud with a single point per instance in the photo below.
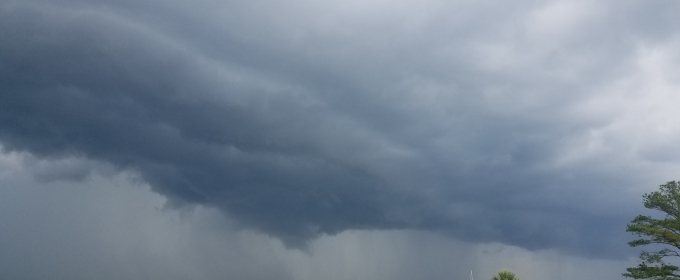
(92, 87)
(301, 119)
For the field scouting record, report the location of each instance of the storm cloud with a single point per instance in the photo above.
(535, 124)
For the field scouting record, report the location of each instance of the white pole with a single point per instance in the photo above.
(471, 275)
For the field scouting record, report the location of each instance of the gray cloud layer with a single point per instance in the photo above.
(527, 123)
(109, 225)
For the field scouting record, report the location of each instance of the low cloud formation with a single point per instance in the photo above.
(536, 125)
(111, 226)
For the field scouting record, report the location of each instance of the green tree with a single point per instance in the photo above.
(504, 275)
(664, 234)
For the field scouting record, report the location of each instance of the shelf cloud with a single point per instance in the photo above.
(532, 124)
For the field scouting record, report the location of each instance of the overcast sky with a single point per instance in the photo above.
(297, 139)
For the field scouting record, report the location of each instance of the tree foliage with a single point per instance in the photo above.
(664, 233)
(504, 275)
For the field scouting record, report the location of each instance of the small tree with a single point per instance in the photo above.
(664, 232)
(504, 275)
